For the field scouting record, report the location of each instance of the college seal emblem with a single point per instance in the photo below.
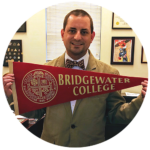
(39, 86)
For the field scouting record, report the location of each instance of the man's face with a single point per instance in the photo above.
(77, 36)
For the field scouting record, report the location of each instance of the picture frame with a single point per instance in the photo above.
(143, 56)
(119, 23)
(14, 51)
(122, 50)
(22, 28)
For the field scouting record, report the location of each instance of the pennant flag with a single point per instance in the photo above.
(40, 86)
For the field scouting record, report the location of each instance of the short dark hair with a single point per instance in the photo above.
(78, 12)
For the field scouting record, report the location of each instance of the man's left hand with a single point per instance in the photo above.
(144, 89)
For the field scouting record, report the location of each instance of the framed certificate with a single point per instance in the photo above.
(143, 56)
(122, 50)
(119, 23)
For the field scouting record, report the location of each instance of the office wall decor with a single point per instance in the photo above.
(14, 51)
(119, 23)
(22, 28)
(122, 50)
(143, 56)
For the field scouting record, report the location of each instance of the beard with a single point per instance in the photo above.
(76, 50)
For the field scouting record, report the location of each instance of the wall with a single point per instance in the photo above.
(34, 45)
(138, 69)
(34, 40)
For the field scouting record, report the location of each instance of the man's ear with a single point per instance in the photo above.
(92, 36)
(62, 33)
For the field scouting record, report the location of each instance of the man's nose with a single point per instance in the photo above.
(77, 36)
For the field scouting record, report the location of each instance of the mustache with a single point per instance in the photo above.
(76, 43)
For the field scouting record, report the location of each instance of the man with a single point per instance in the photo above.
(82, 122)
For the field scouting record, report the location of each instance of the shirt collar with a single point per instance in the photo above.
(85, 57)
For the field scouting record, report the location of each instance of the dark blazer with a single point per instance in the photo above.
(86, 126)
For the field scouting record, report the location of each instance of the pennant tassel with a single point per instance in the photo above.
(10, 63)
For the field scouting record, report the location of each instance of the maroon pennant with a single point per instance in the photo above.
(39, 86)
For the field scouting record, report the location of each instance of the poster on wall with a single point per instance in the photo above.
(122, 50)
(143, 56)
(14, 51)
(119, 23)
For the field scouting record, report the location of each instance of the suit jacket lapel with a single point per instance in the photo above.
(91, 63)
(61, 63)
(90, 67)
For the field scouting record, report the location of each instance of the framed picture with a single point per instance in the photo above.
(14, 51)
(122, 50)
(119, 23)
(22, 28)
(143, 56)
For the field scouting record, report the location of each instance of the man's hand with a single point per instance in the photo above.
(8, 79)
(144, 89)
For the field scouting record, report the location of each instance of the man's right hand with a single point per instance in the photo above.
(8, 79)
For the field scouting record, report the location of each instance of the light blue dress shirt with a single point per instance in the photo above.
(86, 58)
